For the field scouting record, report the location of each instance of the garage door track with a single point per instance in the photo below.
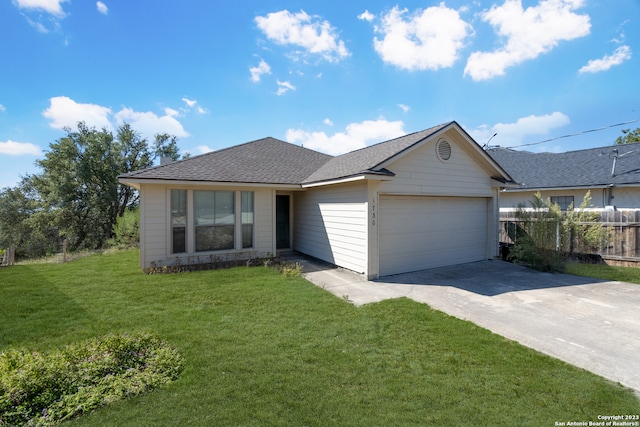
(590, 323)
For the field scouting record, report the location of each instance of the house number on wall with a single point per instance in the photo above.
(373, 211)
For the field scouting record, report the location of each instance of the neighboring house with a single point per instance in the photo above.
(611, 173)
(423, 200)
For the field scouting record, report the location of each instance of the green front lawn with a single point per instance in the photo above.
(606, 272)
(261, 349)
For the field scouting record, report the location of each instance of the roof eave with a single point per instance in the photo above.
(505, 183)
(375, 176)
(137, 182)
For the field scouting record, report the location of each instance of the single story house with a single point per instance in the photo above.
(611, 173)
(427, 199)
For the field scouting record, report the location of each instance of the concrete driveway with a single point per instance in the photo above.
(588, 323)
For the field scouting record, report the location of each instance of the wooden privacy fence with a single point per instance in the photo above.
(623, 242)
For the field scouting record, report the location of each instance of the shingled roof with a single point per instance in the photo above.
(367, 160)
(265, 161)
(271, 161)
(582, 168)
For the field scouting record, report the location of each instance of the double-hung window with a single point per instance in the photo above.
(247, 218)
(204, 221)
(565, 202)
(178, 221)
(214, 220)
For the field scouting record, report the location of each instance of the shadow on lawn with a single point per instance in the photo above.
(489, 278)
(31, 305)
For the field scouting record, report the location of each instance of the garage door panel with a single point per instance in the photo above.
(426, 232)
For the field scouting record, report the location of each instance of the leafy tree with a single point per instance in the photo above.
(26, 223)
(77, 195)
(628, 136)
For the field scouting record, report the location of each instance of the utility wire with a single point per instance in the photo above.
(575, 134)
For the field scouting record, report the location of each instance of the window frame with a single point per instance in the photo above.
(184, 225)
(243, 214)
(218, 217)
(561, 201)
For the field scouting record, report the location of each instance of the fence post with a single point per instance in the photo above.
(64, 250)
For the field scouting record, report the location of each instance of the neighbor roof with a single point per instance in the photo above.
(582, 168)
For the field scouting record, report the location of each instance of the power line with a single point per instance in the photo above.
(576, 134)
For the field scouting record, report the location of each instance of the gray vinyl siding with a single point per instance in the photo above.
(155, 234)
(330, 223)
(422, 172)
(154, 224)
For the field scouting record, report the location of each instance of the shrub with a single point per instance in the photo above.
(42, 389)
(546, 233)
(126, 230)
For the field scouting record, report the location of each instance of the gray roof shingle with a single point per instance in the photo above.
(265, 161)
(271, 161)
(582, 168)
(367, 160)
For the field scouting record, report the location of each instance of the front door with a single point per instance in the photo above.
(282, 222)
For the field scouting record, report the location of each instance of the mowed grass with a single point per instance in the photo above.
(606, 272)
(262, 349)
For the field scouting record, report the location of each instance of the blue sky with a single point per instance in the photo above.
(333, 76)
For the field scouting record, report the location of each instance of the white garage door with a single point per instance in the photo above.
(416, 233)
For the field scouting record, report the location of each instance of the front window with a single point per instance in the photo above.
(178, 221)
(565, 202)
(247, 219)
(214, 220)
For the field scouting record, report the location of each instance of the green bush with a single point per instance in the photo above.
(42, 389)
(126, 230)
(545, 234)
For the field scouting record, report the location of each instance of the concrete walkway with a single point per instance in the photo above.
(589, 323)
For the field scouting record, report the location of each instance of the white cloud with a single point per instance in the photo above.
(404, 108)
(528, 33)
(328, 122)
(355, 136)
(13, 148)
(102, 8)
(201, 149)
(189, 102)
(65, 112)
(284, 87)
(366, 16)
(423, 40)
(257, 72)
(149, 124)
(53, 7)
(302, 30)
(171, 112)
(3, 108)
(513, 134)
(621, 54)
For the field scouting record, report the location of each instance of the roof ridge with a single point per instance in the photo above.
(396, 138)
(512, 149)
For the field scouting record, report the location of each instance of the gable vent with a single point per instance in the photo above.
(443, 148)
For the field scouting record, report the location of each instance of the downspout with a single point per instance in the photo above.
(613, 174)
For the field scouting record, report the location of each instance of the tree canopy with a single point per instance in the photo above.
(628, 136)
(77, 195)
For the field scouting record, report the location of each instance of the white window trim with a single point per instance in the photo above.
(191, 229)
